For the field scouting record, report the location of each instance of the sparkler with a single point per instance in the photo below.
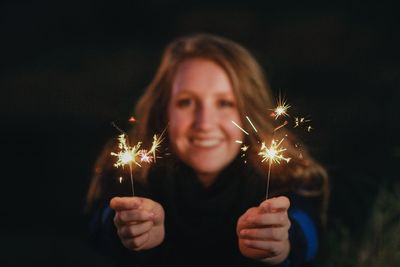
(281, 108)
(274, 153)
(133, 155)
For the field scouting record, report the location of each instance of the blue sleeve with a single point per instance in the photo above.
(102, 231)
(105, 239)
(304, 233)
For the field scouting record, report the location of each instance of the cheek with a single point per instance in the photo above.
(237, 133)
(177, 124)
(234, 132)
(231, 129)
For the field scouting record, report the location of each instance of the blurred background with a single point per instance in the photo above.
(69, 68)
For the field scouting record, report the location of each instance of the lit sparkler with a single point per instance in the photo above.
(126, 156)
(129, 155)
(274, 153)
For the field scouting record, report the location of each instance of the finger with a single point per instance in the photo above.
(267, 219)
(281, 203)
(273, 247)
(137, 215)
(156, 209)
(248, 213)
(265, 234)
(137, 242)
(131, 231)
(132, 216)
(125, 203)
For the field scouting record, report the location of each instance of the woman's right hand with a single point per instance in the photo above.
(139, 221)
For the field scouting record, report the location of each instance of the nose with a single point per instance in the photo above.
(205, 117)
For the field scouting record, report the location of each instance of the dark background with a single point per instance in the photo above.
(69, 68)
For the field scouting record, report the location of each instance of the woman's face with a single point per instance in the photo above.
(200, 112)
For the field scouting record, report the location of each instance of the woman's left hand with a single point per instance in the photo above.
(263, 231)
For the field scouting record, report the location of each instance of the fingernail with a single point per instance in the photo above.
(265, 207)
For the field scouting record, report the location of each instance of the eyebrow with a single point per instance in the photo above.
(225, 94)
(218, 94)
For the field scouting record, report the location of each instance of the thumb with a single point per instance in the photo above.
(125, 203)
(266, 206)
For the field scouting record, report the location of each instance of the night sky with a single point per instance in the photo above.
(70, 68)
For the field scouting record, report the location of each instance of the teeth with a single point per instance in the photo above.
(206, 142)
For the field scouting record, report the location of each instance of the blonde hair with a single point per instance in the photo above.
(254, 99)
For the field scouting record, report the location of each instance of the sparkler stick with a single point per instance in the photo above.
(131, 174)
(268, 178)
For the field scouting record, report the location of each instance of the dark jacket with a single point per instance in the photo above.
(200, 223)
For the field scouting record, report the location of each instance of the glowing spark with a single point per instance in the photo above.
(273, 154)
(240, 128)
(239, 142)
(120, 179)
(132, 120)
(244, 148)
(251, 124)
(156, 144)
(145, 156)
(281, 126)
(281, 109)
(127, 154)
(309, 128)
(298, 121)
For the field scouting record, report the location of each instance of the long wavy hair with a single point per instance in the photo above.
(254, 99)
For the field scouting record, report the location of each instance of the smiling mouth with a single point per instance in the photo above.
(206, 143)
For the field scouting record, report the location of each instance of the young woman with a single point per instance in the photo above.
(203, 204)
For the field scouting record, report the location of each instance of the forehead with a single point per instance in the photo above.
(201, 76)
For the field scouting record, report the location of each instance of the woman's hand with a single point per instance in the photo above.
(263, 231)
(139, 221)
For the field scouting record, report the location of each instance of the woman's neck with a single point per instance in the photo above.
(207, 179)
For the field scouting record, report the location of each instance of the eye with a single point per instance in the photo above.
(225, 103)
(184, 102)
